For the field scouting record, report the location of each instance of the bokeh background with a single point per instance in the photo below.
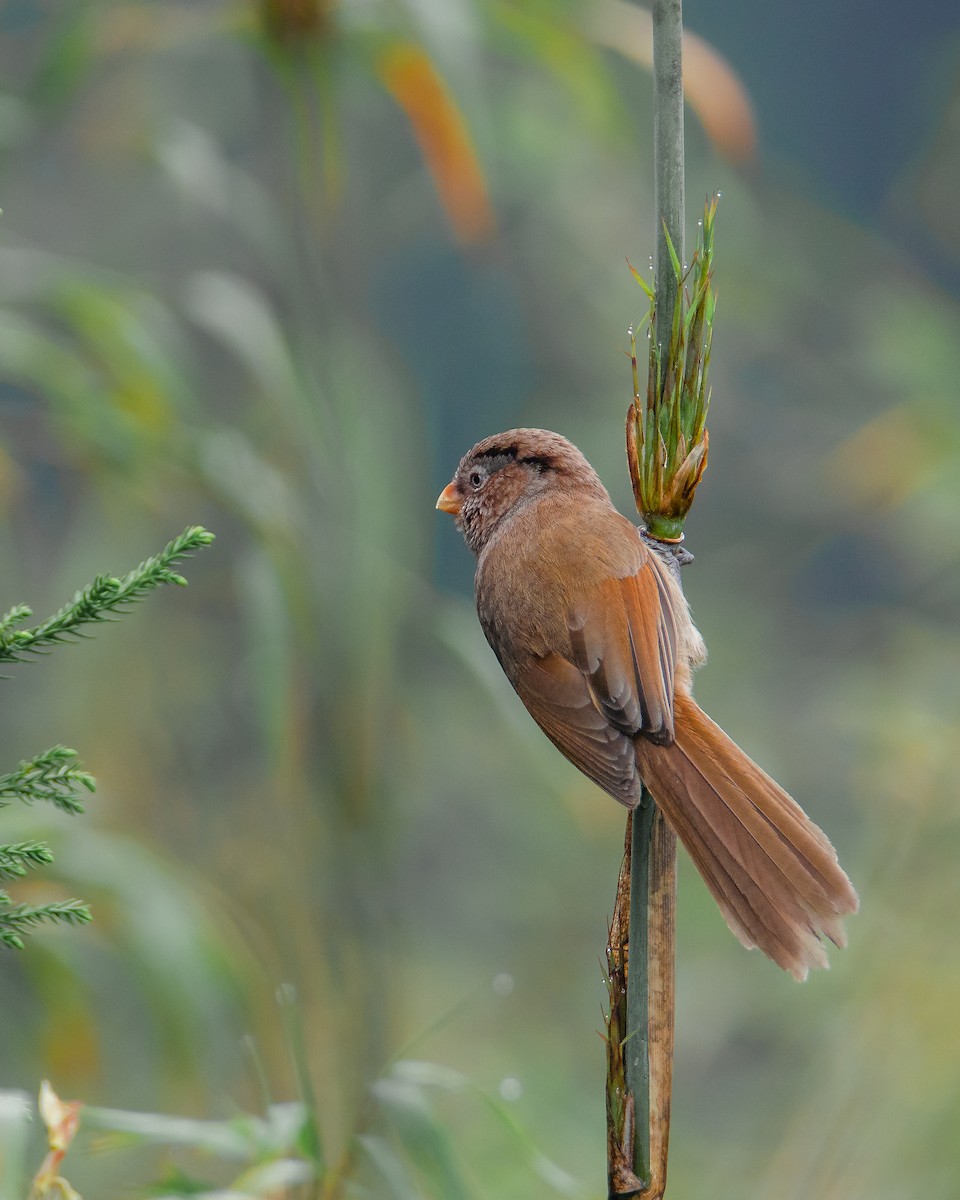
(272, 268)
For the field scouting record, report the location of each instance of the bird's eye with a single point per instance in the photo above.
(475, 479)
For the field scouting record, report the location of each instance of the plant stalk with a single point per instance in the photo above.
(649, 1024)
(640, 973)
(637, 1047)
(668, 155)
(656, 843)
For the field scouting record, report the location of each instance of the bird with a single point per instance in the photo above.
(588, 620)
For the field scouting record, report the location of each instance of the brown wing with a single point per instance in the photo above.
(559, 699)
(623, 638)
(617, 682)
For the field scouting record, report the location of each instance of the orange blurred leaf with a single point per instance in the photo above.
(442, 135)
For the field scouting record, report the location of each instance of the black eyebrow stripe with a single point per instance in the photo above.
(512, 454)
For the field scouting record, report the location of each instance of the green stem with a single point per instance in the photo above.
(636, 1047)
(668, 155)
(649, 1018)
(664, 529)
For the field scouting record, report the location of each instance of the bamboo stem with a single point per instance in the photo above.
(668, 154)
(636, 1049)
(661, 936)
(622, 1180)
(640, 1068)
(640, 1050)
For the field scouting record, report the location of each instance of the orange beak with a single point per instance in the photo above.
(449, 500)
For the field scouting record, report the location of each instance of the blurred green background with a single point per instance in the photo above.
(272, 268)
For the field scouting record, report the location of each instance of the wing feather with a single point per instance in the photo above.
(559, 700)
(617, 681)
(623, 638)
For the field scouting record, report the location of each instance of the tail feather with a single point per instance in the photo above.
(751, 915)
(792, 843)
(773, 873)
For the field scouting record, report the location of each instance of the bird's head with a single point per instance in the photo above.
(509, 470)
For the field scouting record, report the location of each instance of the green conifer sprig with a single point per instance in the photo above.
(18, 919)
(17, 858)
(102, 600)
(54, 775)
(16, 616)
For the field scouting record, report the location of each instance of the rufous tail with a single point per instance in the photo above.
(771, 870)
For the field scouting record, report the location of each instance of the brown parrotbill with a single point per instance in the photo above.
(592, 629)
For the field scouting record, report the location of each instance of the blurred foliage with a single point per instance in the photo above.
(280, 1152)
(240, 284)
